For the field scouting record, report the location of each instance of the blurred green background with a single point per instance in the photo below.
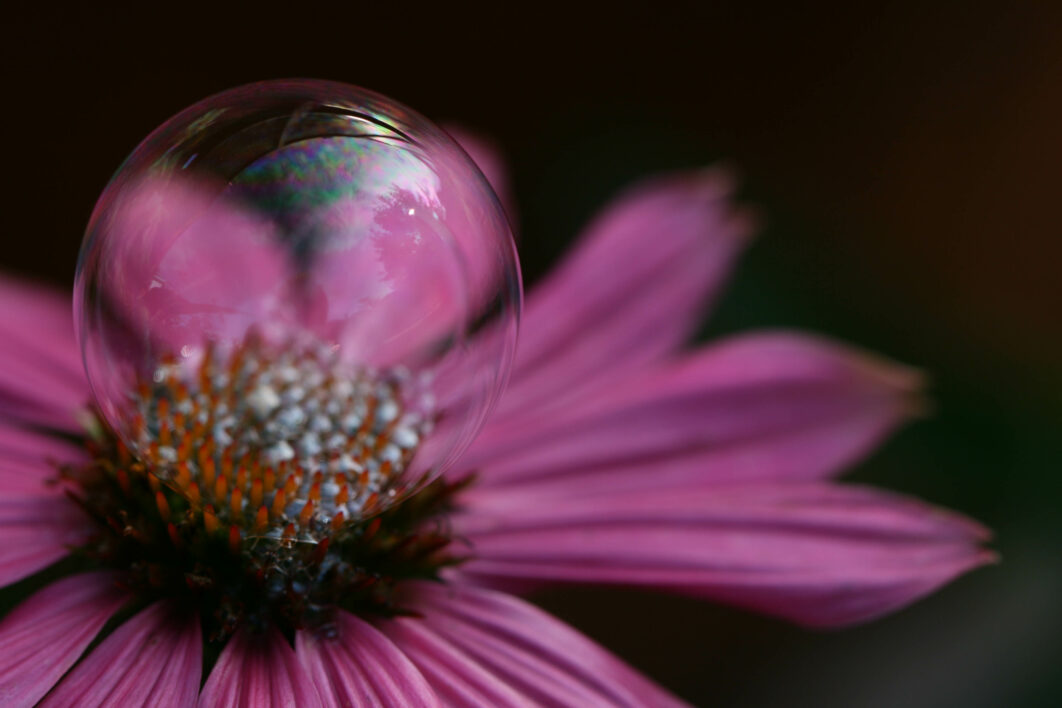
(906, 161)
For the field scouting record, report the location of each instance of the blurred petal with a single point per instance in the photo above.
(43, 637)
(259, 670)
(41, 377)
(632, 291)
(37, 528)
(760, 406)
(485, 153)
(479, 647)
(154, 659)
(23, 445)
(38, 523)
(814, 552)
(361, 667)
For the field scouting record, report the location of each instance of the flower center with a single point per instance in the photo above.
(282, 443)
(254, 494)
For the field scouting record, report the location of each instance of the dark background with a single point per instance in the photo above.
(907, 162)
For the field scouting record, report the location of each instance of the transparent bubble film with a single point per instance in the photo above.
(297, 301)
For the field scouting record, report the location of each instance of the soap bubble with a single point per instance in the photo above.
(300, 278)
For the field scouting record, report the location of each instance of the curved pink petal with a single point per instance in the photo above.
(154, 659)
(813, 552)
(41, 377)
(43, 637)
(259, 670)
(632, 290)
(457, 678)
(771, 405)
(480, 647)
(360, 666)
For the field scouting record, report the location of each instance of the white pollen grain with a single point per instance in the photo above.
(350, 423)
(309, 445)
(293, 394)
(405, 437)
(263, 401)
(291, 417)
(280, 452)
(391, 454)
(386, 411)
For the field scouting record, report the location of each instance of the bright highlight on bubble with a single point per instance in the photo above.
(296, 303)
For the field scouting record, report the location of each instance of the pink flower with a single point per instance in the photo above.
(615, 457)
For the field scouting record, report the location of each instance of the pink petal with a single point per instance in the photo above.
(43, 637)
(41, 377)
(759, 406)
(361, 667)
(38, 525)
(632, 291)
(259, 670)
(28, 446)
(37, 522)
(479, 647)
(154, 659)
(17, 408)
(813, 552)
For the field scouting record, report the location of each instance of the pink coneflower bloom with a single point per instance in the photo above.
(616, 456)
